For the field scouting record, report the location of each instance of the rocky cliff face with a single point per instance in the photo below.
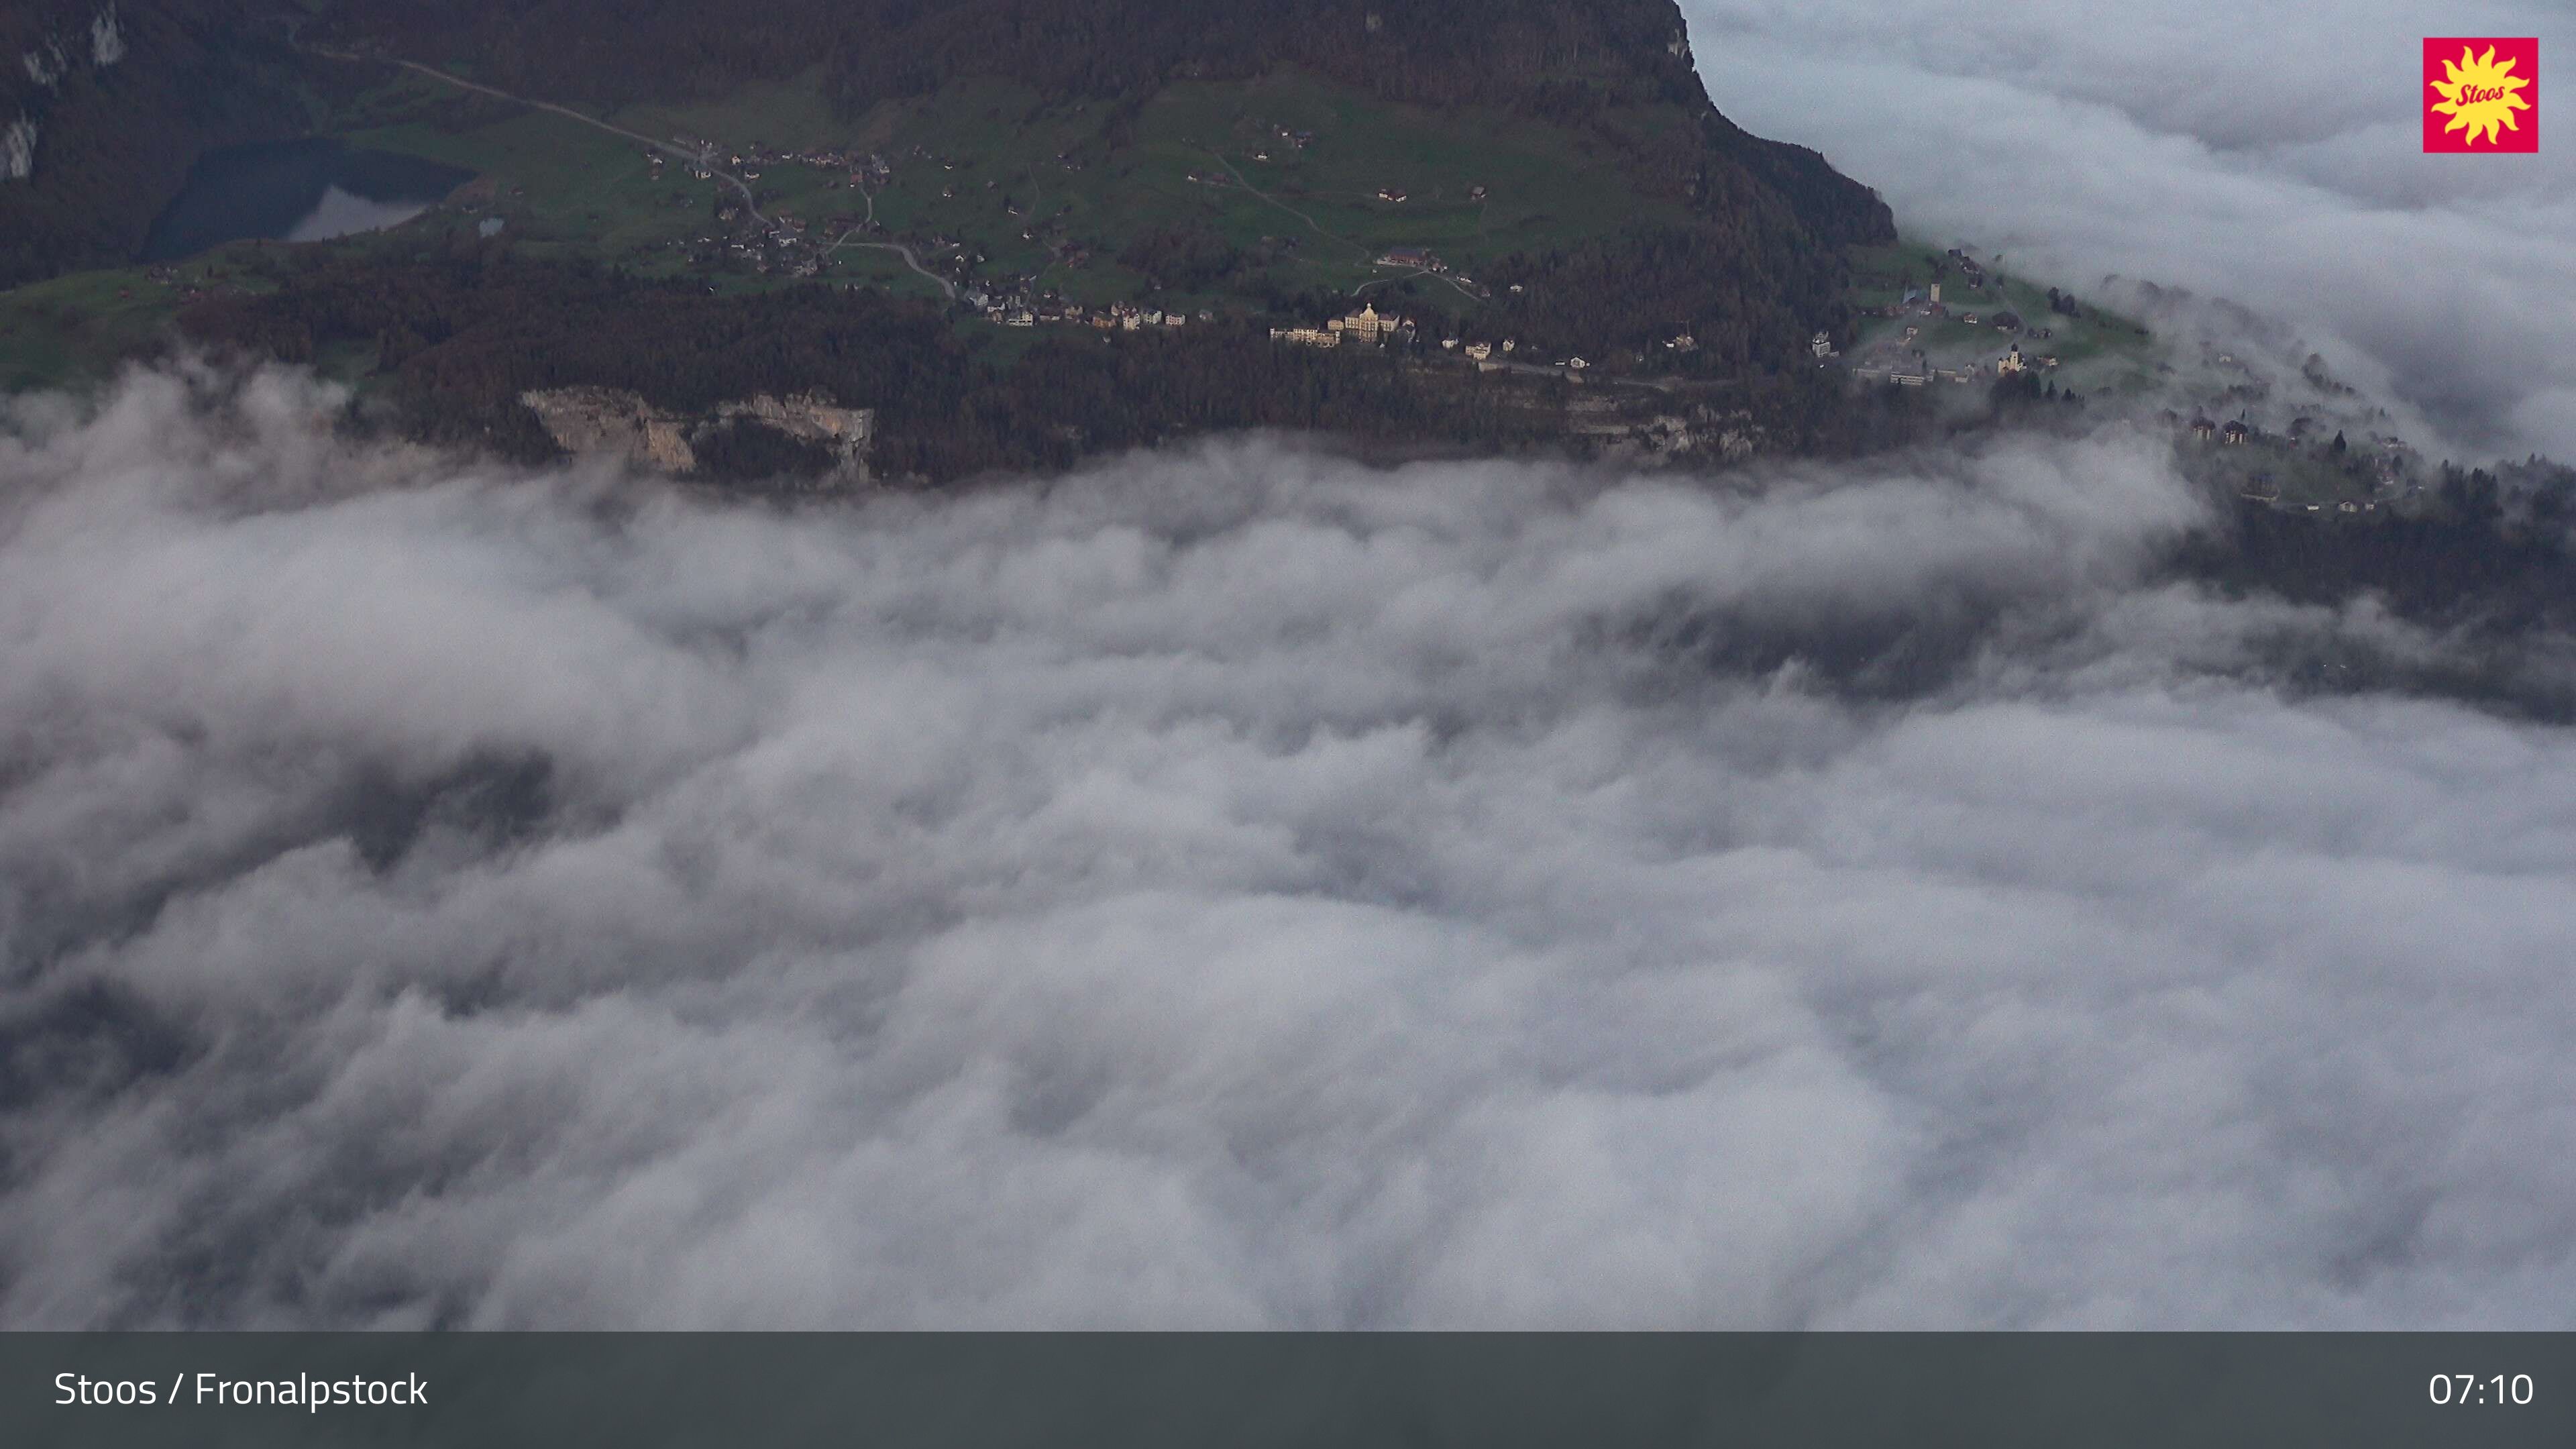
(105, 106)
(611, 422)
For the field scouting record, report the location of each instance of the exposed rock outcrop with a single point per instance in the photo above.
(589, 421)
(595, 421)
(18, 150)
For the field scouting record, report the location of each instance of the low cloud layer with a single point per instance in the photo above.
(1236, 887)
(2267, 154)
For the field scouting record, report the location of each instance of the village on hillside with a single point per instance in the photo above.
(2280, 431)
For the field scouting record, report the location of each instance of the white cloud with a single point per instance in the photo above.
(1236, 887)
(2268, 154)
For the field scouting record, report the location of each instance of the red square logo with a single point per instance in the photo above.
(2481, 94)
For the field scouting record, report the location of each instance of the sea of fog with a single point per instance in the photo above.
(1237, 886)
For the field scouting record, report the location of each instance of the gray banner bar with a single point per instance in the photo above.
(1144, 1391)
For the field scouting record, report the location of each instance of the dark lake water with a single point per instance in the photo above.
(295, 191)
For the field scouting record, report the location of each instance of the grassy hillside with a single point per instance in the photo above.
(1276, 195)
(2096, 348)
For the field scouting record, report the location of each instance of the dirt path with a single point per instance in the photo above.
(1241, 181)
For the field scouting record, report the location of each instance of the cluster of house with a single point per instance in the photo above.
(785, 246)
(1021, 311)
(2390, 458)
(861, 167)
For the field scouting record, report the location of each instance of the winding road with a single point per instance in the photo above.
(898, 248)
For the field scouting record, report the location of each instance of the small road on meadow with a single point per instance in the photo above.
(703, 157)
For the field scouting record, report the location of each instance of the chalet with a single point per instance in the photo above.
(1480, 350)
(2235, 431)
(1475, 193)
(1389, 193)
(2203, 428)
(1418, 257)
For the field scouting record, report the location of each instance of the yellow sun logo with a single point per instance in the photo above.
(2478, 95)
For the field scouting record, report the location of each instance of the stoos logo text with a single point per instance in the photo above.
(2481, 94)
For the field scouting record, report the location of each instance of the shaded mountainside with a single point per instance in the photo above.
(108, 105)
(1575, 62)
(1572, 189)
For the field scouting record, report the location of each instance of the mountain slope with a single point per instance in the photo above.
(112, 104)
(1570, 61)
